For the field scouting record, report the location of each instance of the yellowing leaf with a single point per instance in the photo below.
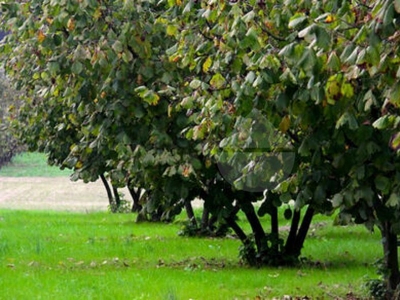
(71, 24)
(329, 19)
(285, 124)
(186, 170)
(172, 30)
(175, 58)
(147, 95)
(333, 87)
(78, 165)
(169, 110)
(395, 141)
(41, 36)
(217, 81)
(207, 64)
(347, 90)
(152, 98)
(97, 14)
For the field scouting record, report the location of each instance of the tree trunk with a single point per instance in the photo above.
(303, 230)
(274, 230)
(136, 207)
(389, 243)
(116, 197)
(190, 213)
(109, 193)
(236, 228)
(259, 234)
(205, 219)
(291, 239)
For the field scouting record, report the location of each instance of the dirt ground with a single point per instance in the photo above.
(55, 193)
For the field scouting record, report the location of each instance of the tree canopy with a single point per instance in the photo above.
(9, 104)
(232, 101)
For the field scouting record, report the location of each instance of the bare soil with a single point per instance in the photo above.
(55, 193)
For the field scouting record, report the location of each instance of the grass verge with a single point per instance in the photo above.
(57, 255)
(31, 164)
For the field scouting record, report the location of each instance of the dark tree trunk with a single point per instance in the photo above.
(248, 252)
(389, 242)
(236, 228)
(109, 193)
(259, 234)
(274, 229)
(116, 197)
(291, 239)
(205, 217)
(212, 222)
(190, 213)
(136, 207)
(303, 230)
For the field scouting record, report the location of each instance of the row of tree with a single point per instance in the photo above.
(230, 101)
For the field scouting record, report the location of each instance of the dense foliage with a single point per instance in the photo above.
(230, 101)
(9, 102)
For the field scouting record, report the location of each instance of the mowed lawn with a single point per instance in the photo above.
(99, 255)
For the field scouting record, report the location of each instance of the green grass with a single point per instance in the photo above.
(56, 255)
(60, 255)
(31, 165)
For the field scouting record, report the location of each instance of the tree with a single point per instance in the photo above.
(9, 103)
(230, 101)
(323, 74)
(99, 99)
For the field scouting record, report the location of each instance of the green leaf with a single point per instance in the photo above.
(382, 183)
(296, 20)
(288, 76)
(347, 90)
(117, 46)
(250, 40)
(77, 68)
(333, 62)
(217, 81)
(308, 31)
(337, 200)
(369, 100)
(151, 97)
(349, 119)
(308, 59)
(393, 201)
(395, 94)
(382, 122)
(195, 84)
(323, 37)
(188, 7)
(397, 6)
(172, 30)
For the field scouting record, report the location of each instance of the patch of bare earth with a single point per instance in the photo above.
(55, 193)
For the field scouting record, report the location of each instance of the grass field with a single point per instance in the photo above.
(31, 165)
(60, 255)
(103, 256)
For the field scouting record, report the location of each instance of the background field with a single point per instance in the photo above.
(29, 183)
(83, 254)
